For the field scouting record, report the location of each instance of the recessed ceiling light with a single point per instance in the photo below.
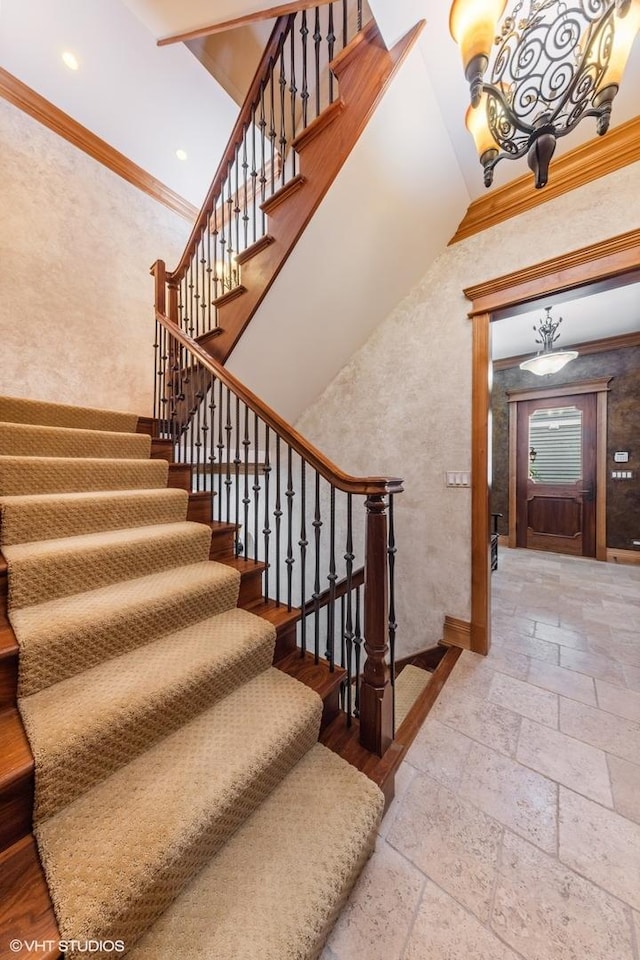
(70, 60)
(182, 155)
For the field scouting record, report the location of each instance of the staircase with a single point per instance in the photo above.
(181, 794)
(320, 78)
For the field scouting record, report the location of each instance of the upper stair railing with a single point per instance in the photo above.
(292, 86)
(296, 513)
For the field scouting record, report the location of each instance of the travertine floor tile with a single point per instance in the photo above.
(539, 614)
(565, 682)
(625, 784)
(439, 751)
(530, 647)
(443, 930)
(623, 649)
(525, 699)
(505, 660)
(565, 760)
(404, 776)
(593, 664)
(480, 720)
(518, 797)
(601, 845)
(624, 703)
(375, 922)
(547, 912)
(632, 677)
(562, 636)
(613, 734)
(451, 841)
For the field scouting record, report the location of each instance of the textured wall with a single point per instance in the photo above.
(623, 433)
(403, 402)
(76, 244)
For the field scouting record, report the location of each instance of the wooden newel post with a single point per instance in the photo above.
(376, 692)
(159, 273)
(173, 302)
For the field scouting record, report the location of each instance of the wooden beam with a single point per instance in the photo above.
(282, 10)
(591, 160)
(42, 110)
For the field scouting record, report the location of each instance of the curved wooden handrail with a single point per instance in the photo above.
(280, 31)
(365, 486)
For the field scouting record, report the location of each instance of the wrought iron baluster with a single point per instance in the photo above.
(211, 456)
(207, 322)
(237, 209)
(190, 301)
(263, 146)
(220, 446)
(256, 486)
(245, 187)
(331, 42)
(317, 40)
(359, 16)
(348, 623)
(290, 493)
(156, 384)
(223, 241)
(282, 81)
(182, 299)
(304, 95)
(357, 645)
(272, 127)
(246, 499)
(345, 23)
(230, 220)
(303, 544)
(216, 278)
(293, 94)
(228, 481)
(317, 528)
(332, 577)
(266, 531)
(277, 513)
(195, 320)
(236, 475)
(195, 421)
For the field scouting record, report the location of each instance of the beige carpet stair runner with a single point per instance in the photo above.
(182, 803)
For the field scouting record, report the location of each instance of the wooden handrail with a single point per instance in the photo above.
(364, 486)
(341, 589)
(278, 35)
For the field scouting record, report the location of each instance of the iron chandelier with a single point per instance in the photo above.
(548, 360)
(555, 63)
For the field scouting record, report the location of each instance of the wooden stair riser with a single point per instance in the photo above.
(200, 507)
(26, 911)
(364, 70)
(17, 783)
(162, 450)
(180, 476)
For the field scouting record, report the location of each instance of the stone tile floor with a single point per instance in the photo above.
(515, 832)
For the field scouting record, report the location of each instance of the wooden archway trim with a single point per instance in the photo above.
(597, 262)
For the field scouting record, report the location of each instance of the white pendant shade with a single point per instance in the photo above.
(545, 363)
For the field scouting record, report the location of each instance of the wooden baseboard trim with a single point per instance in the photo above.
(622, 556)
(27, 100)
(591, 160)
(457, 633)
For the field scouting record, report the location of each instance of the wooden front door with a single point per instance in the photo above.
(556, 474)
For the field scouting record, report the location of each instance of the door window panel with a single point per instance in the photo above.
(555, 445)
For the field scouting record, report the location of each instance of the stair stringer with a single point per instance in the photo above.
(364, 70)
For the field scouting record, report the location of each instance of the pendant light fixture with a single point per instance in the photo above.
(548, 360)
(556, 62)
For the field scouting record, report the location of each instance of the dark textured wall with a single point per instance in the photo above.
(623, 496)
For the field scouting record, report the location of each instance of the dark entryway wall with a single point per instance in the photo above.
(623, 433)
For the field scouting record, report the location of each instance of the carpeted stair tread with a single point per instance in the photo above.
(410, 683)
(61, 638)
(118, 856)
(57, 515)
(31, 440)
(124, 705)
(275, 889)
(18, 410)
(28, 475)
(49, 569)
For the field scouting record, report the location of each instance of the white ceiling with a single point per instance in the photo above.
(588, 317)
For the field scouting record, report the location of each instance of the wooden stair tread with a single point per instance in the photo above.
(254, 249)
(243, 564)
(16, 759)
(277, 614)
(279, 197)
(318, 676)
(26, 911)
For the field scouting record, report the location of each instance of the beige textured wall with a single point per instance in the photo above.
(403, 402)
(76, 244)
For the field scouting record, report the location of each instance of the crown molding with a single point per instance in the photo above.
(42, 110)
(620, 342)
(621, 253)
(591, 160)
